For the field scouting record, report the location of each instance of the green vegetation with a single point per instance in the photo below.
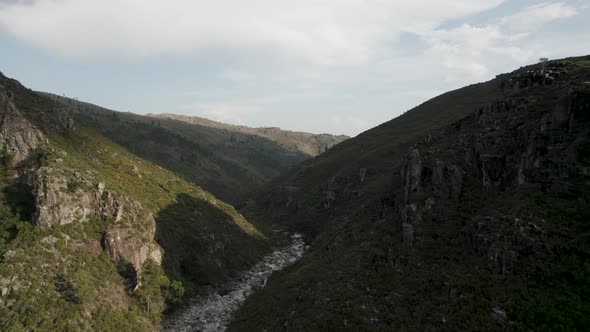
(230, 164)
(310, 144)
(54, 285)
(505, 257)
(61, 279)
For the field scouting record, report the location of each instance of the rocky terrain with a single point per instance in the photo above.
(214, 311)
(94, 237)
(469, 212)
(17, 136)
(64, 196)
(479, 223)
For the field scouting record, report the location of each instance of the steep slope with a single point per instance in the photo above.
(230, 164)
(469, 212)
(310, 144)
(302, 195)
(92, 237)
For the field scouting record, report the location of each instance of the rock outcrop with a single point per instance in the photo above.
(65, 196)
(425, 182)
(546, 75)
(18, 137)
(498, 147)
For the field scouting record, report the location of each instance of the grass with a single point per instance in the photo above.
(523, 252)
(230, 164)
(64, 281)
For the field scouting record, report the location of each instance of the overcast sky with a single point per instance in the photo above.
(337, 66)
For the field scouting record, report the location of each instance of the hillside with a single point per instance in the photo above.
(93, 237)
(230, 164)
(307, 143)
(468, 212)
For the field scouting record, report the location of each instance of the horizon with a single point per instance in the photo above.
(334, 67)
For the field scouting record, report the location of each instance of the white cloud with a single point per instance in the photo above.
(327, 32)
(329, 62)
(535, 16)
(472, 51)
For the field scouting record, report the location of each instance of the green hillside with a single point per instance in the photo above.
(228, 163)
(468, 212)
(77, 214)
(307, 143)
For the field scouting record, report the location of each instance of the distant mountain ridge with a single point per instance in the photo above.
(308, 143)
(228, 163)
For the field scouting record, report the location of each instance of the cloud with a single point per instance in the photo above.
(312, 65)
(533, 17)
(466, 50)
(328, 32)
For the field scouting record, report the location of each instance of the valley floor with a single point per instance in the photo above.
(214, 312)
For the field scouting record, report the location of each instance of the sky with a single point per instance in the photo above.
(335, 66)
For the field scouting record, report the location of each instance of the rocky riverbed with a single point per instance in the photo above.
(214, 312)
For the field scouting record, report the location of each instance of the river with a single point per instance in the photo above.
(214, 311)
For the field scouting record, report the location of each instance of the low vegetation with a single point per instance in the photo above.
(504, 256)
(60, 279)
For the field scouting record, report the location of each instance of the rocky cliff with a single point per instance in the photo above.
(18, 137)
(65, 196)
(506, 147)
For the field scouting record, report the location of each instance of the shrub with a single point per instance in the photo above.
(175, 292)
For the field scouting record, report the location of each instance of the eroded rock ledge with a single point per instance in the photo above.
(18, 137)
(65, 196)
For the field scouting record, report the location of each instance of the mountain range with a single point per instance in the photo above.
(468, 212)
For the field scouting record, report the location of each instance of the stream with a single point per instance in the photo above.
(213, 312)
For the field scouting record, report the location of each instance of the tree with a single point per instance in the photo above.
(543, 61)
(149, 294)
(175, 292)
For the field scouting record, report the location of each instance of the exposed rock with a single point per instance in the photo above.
(501, 146)
(65, 196)
(492, 168)
(362, 174)
(456, 181)
(498, 314)
(124, 244)
(136, 171)
(545, 75)
(214, 311)
(424, 180)
(61, 198)
(411, 218)
(17, 135)
(411, 172)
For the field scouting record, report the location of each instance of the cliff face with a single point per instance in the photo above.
(18, 137)
(505, 149)
(65, 196)
(476, 224)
